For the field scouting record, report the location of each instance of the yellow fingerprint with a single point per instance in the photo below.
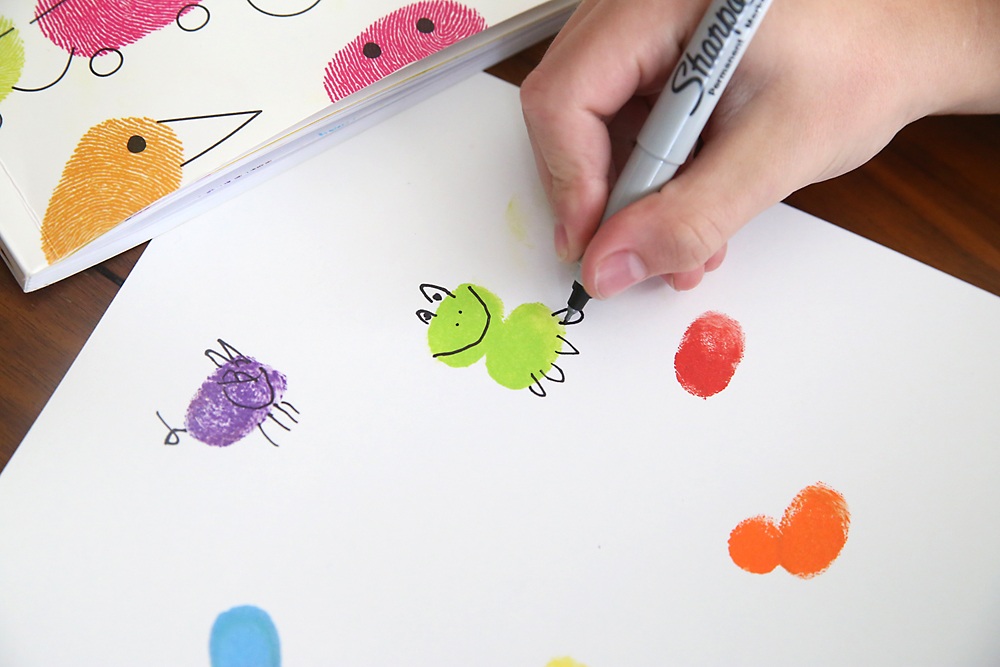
(517, 222)
(564, 662)
(119, 167)
(11, 56)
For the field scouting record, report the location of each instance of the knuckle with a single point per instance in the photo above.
(535, 92)
(696, 236)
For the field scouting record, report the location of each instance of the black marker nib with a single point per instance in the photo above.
(577, 300)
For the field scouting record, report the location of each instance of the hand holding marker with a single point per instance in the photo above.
(823, 88)
(682, 110)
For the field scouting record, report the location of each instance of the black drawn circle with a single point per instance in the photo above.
(101, 52)
(136, 144)
(184, 9)
(425, 26)
(372, 50)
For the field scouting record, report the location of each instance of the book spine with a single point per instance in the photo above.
(19, 233)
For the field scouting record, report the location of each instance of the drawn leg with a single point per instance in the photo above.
(540, 392)
(287, 413)
(571, 346)
(562, 376)
(263, 433)
(275, 420)
(577, 320)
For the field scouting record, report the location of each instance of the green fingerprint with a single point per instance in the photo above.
(470, 325)
(11, 56)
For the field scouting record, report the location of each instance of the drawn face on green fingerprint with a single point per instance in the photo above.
(468, 324)
(11, 56)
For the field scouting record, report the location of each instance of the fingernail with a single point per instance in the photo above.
(619, 272)
(562, 242)
(669, 279)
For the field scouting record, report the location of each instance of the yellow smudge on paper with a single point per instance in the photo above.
(564, 662)
(516, 221)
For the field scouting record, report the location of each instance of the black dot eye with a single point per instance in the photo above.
(425, 316)
(459, 312)
(425, 26)
(136, 144)
(372, 50)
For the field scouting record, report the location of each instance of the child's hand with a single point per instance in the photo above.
(822, 88)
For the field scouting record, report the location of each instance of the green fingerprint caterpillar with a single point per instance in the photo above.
(520, 349)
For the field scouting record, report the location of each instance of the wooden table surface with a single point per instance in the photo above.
(932, 194)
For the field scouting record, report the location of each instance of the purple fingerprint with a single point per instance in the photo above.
(234, 400)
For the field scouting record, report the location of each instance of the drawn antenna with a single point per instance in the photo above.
(218, 358)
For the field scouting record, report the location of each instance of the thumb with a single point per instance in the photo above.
(747, 166)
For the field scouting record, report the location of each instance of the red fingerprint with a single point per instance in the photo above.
(398, 39)
(92, 25)
(806, 542)
(710, 351)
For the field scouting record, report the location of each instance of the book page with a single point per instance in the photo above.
(337, 420)
(108, 106)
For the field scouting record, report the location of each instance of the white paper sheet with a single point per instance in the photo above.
(425, 515)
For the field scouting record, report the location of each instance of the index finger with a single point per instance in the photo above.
(595, 66)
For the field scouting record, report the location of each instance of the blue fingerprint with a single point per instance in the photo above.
(244, 637)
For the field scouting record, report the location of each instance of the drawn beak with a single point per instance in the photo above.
(207, 132)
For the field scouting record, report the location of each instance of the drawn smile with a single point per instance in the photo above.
(481, 336)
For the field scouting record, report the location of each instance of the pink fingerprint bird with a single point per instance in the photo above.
(88, 27)
(398, 39)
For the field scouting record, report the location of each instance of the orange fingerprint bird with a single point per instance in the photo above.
(119, 167)
(806, 542)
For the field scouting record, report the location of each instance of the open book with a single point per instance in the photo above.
(119, 120)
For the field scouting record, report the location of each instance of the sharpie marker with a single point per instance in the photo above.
(683, 108)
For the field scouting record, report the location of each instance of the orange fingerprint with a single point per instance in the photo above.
(754, 545)
(119, 167)
(806, 542)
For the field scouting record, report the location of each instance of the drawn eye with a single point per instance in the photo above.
(136, 144)
(372, 50)
(425, 26)
(425, 316)
(434, 292)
